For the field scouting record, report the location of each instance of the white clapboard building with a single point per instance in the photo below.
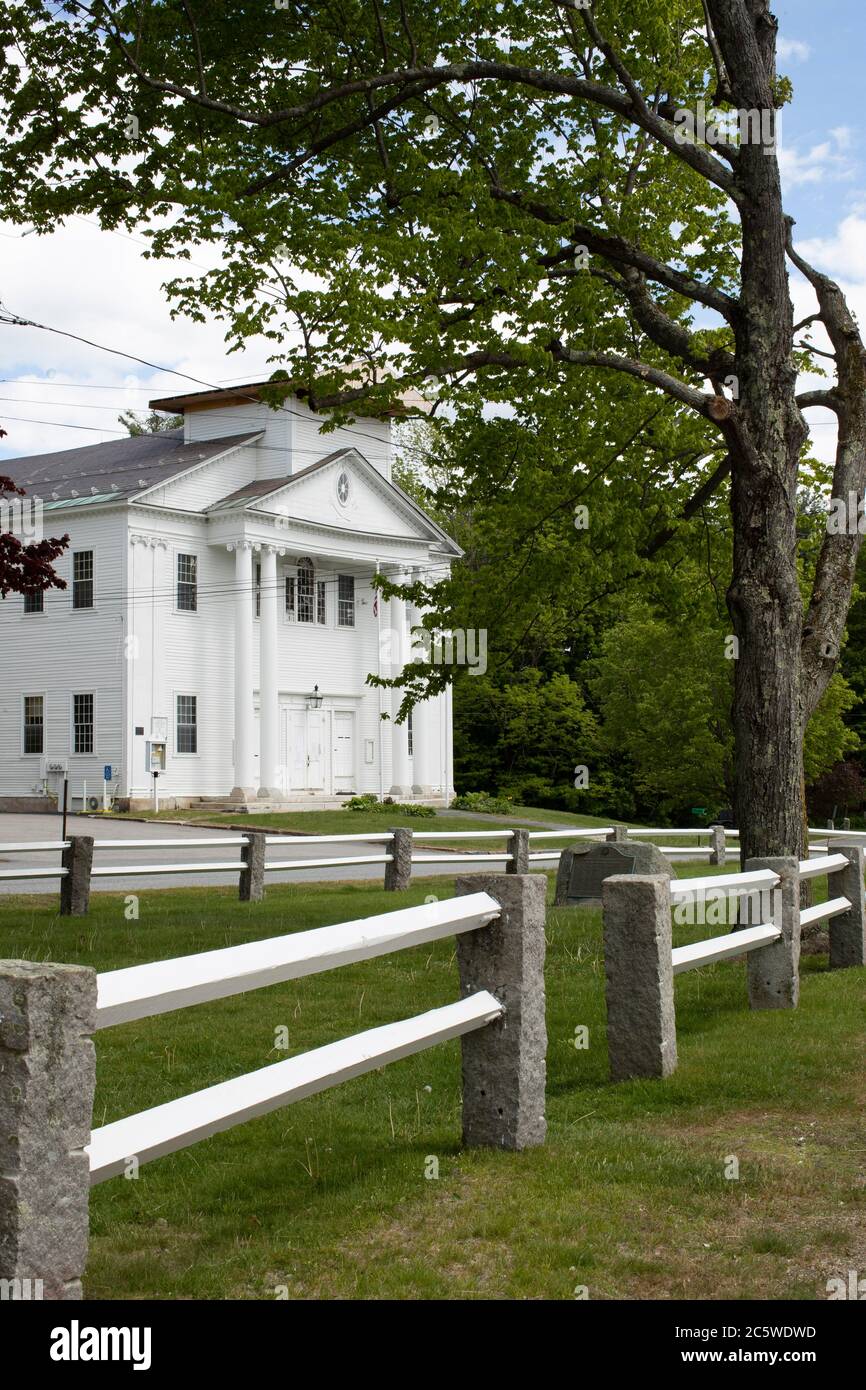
(219, 616)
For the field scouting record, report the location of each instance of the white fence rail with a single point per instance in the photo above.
(641, 961)
(179, 1123)
(163, 986)
(395, 851)
(143, 990)
(719, 948)
(49, 1064)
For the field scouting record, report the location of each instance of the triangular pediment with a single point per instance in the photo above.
(342, 491)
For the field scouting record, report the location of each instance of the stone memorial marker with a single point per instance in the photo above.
(583, 868)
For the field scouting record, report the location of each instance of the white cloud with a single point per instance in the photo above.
(97, 285)
(842, 255)
(793, 48)
(826, 160)
(843, 135)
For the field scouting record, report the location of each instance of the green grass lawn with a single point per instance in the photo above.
(328, 1198)
(343, 822)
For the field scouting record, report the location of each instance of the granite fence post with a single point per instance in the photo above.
(77, 860)
(718, 844)
(504, 1064)
(519, 861)
(774, 971)
(639, 980)
(47, 1078)
(251, 885)
(848, 930)
(398, 874)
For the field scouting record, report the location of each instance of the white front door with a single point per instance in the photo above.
(297, 749)
(305, 745)
(344, 750)
(315, 750)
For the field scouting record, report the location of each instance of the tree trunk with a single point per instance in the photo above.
(764, 598)
(766, 609)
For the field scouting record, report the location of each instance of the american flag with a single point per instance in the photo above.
(376, 606)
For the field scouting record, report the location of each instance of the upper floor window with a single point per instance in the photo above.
(34, 724)
(290, 596)
(187, 583)
(82, 579)
(187, 724)
(258, 588)
(34, 602)
(82, 723)
(306, 591)
(346, 600)
(321, 602)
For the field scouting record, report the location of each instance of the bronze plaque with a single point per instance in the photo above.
(589, 870)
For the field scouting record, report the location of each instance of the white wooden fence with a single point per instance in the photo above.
(500, 952)
(252, 870)
(641, 961)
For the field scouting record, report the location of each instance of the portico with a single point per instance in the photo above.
(308, 630)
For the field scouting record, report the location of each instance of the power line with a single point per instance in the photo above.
(64, 405)
(59, 425)
(16, 321)
(216, 593)
(70, 385)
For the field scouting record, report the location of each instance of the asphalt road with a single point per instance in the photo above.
(35, 828)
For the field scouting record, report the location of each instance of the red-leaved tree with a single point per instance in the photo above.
(26, 567)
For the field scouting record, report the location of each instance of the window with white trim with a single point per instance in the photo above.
(82, 579)
(306, 591)
(258, 588)
(345, 600)
(34, 601)
(187, 724)
(34, 723)
(82, 722)
(187, 583)
(410, 735)
(321, 602)
(290, 596)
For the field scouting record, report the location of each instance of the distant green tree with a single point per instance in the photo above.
(663, 689)
(156, 422)
(526, 738)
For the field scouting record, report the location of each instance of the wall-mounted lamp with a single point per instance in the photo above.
(314, 700)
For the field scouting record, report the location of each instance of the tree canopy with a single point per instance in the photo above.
(495, 199)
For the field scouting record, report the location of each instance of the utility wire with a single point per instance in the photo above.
(9, 317)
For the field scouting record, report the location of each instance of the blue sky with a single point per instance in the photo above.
(829, 87)
(96, 284)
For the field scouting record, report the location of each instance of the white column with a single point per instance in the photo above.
(269, 697)
(244, 775)
(449, 745)
(424, 731)
(401, 767)
(423, 750)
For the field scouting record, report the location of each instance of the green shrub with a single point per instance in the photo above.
(482, 802)
(368, 801)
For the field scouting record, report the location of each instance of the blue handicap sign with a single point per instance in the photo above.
(106, 772)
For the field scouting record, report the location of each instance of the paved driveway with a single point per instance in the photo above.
(36, 828)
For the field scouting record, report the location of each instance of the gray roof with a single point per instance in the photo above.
(118, 469)
(263, 487)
